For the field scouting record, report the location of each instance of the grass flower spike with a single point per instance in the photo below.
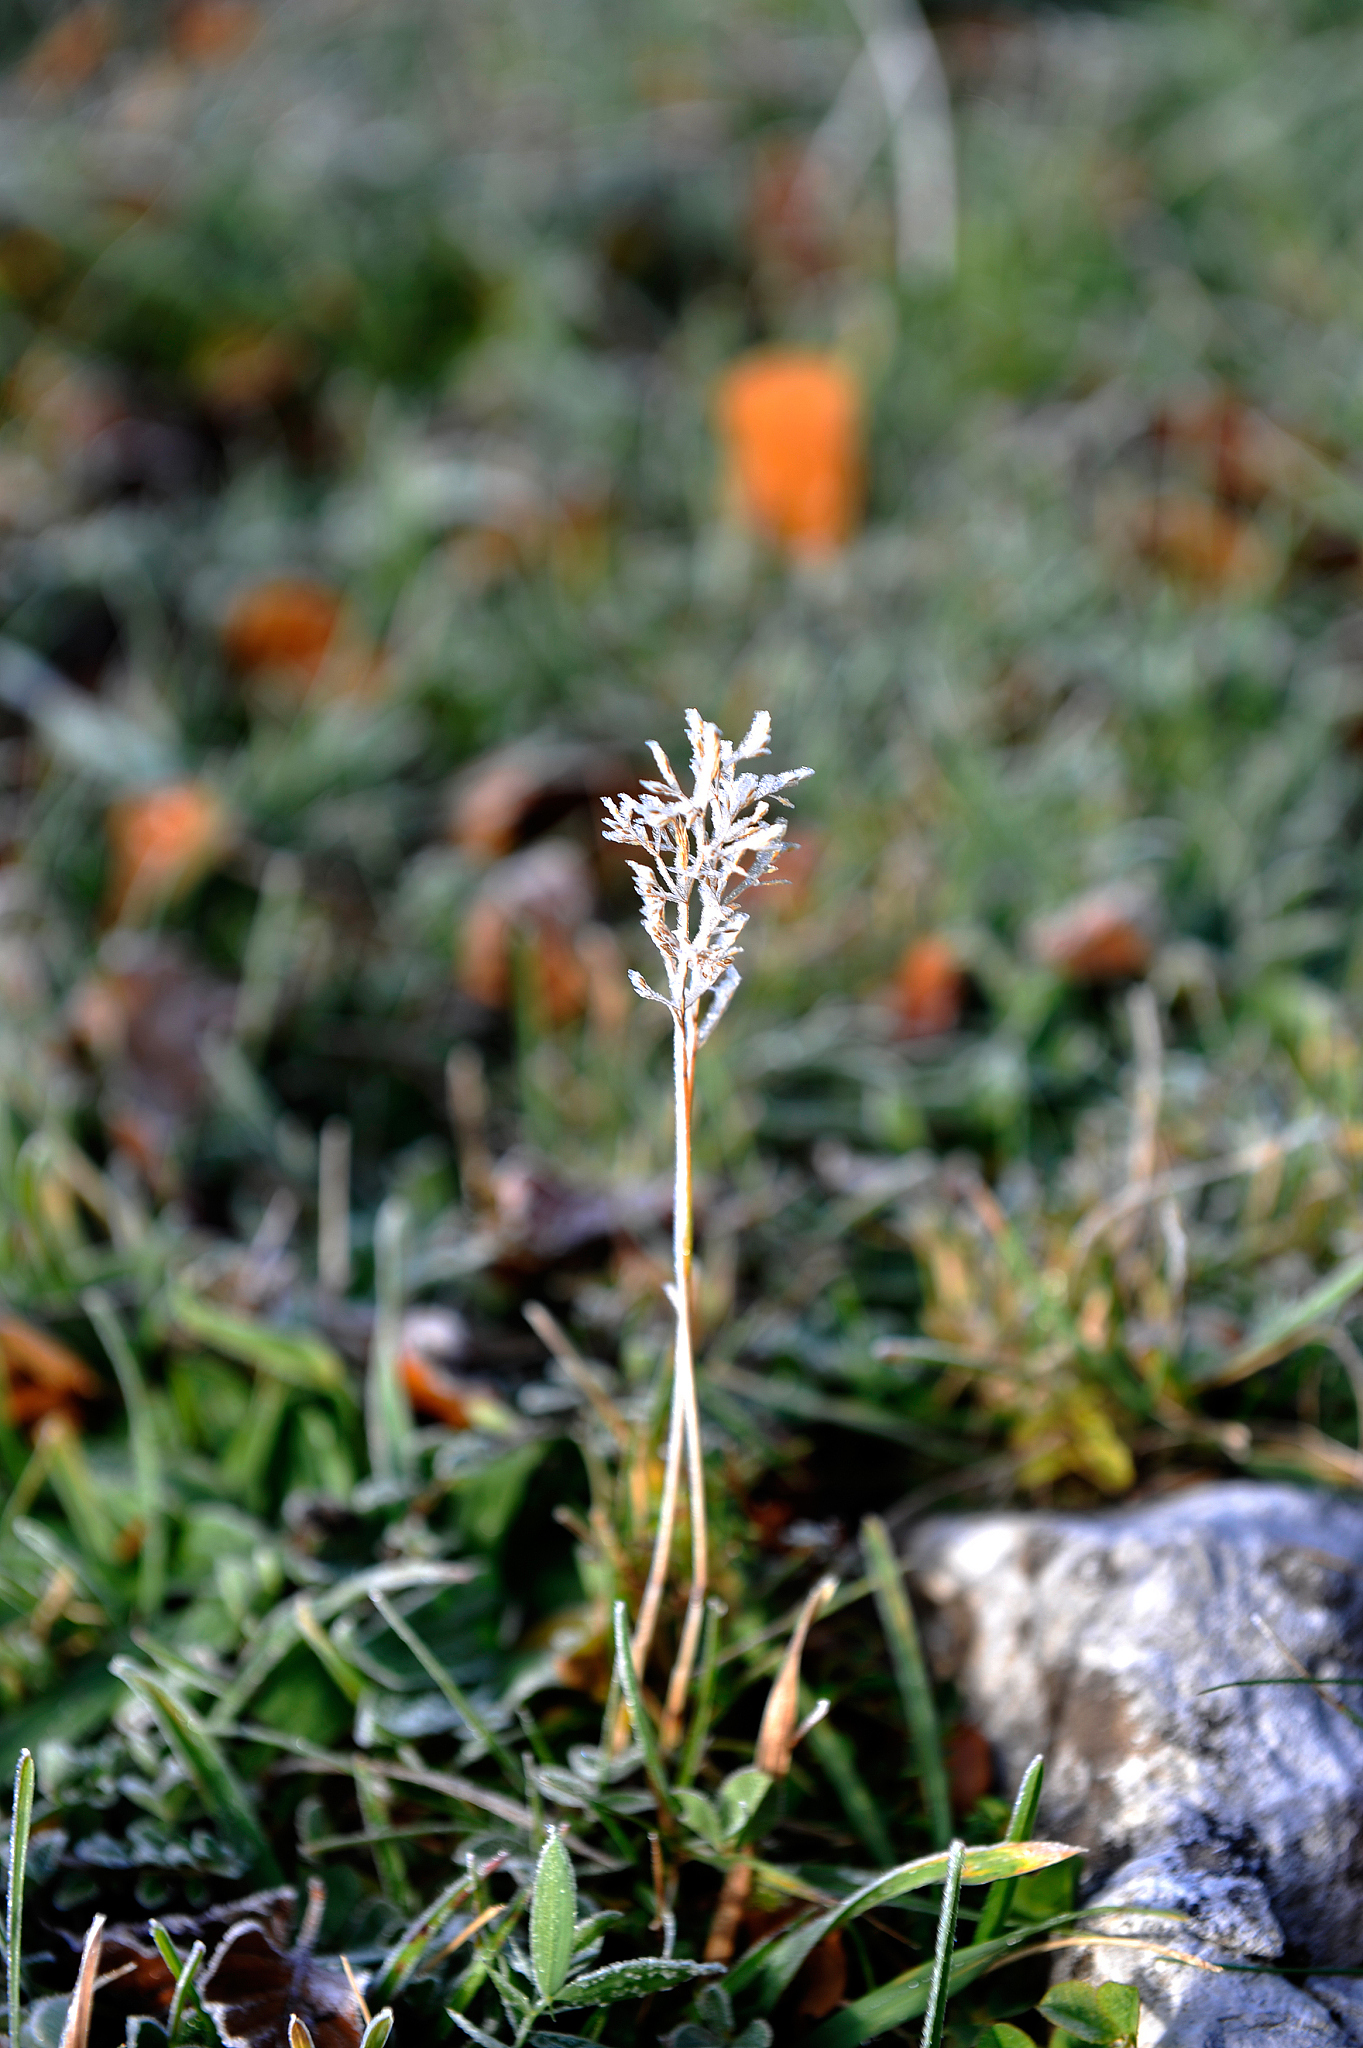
(702, 851)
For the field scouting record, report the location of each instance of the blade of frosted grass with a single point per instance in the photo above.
(836, 1758)
(20, 1821)
(698, 1734)
(453, 1692)
(911, 1674)
(184, 1984)
(165, 1947)
(644, 1732)
(151, 1563)
(343, 1676)
(934, 2019)
(389, 1862)
(197, 1750)
(770, 1965)
(387, 1411)
(999, 1898)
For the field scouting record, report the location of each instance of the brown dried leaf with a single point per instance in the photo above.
(1106, 935)
(929, 988)
(781, 1715)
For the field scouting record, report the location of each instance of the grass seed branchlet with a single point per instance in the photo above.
(702, 850)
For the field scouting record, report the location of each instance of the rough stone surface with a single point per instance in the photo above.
(1093, 1639)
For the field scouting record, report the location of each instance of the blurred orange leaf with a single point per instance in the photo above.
(42, 1376)
(929, 988)
(790, 424)
(299, 633)
(1103, 936)
(161, 843)
(72, 50)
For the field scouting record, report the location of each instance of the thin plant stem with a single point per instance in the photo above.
(704, 849)
(684, 1379)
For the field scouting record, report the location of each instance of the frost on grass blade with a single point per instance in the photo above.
(637, 1978)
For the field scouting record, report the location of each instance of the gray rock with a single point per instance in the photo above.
(1094, 1639)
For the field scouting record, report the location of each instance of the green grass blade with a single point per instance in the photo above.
(151, 1564)
(768, 1967)
(453, 1692)
(20, 1821)
(911, 1674)
(644, 1733)
(1021, 1821)
(904, 1998)
(837, 1759)
(698, 1734)
(197, 1750)
(387, 1411)
(371, 1791)
(934, 2020)
(402, 1959)
(293, 1357)
(184, 1984)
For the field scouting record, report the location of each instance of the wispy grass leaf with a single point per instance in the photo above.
(217, 1784)
(911, 1673)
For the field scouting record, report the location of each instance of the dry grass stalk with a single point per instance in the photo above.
(703, 849)
(76, 2029)
(781, 1728)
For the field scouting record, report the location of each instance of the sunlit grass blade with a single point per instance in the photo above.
(1021, 1821)
(768, 1967)
(20, 1822)
(934, 2020)
(911, 1674)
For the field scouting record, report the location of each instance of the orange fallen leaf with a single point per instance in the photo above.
(213, 31)
(161, 843)
(929, 988)
(299, 633)
(543, 895)
(1100, 937)
(42, 1376)
(433, 1391)
(1243, 455)
(72, 50)
(515, 792)
(1202, 544)
(790, 424)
